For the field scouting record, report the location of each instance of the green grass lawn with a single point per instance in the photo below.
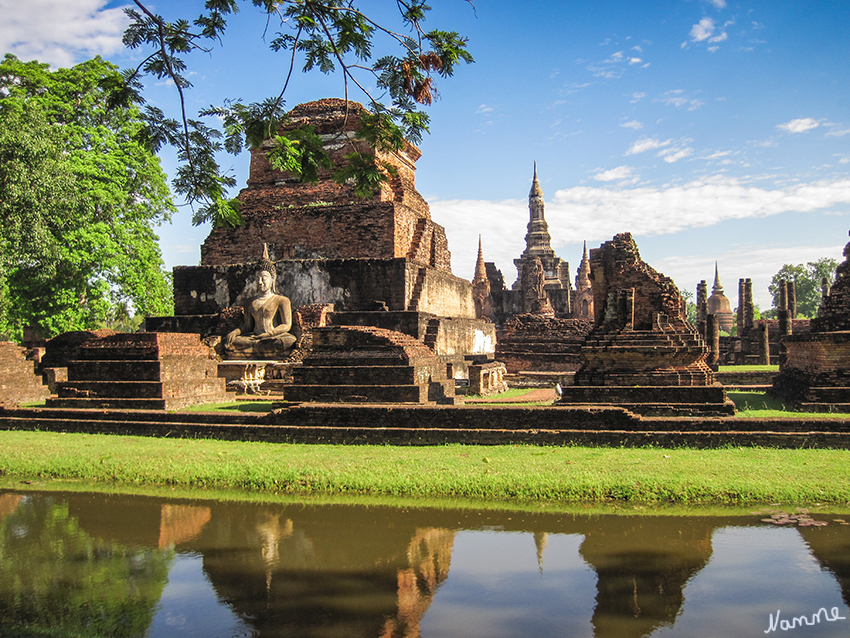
(502, 473)
(765, 368)
(763, 405)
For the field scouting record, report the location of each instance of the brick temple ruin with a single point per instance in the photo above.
(541, 320)
(379, 262)
(813, 371)
(642, 353)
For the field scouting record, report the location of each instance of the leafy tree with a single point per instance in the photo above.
(79, 194)
(325, 35)
(807, 280)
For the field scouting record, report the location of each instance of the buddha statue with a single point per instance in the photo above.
(264, 333)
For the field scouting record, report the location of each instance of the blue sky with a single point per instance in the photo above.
(709, 129)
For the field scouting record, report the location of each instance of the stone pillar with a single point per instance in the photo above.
(702, 306)
(764, 344)
(783, 313)
(712, 329)
(740, 317)
(749, 316)
(785, 324)
(792, 298)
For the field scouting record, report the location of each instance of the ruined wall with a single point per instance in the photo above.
(616, 265)
(349, 284)
(302, 220)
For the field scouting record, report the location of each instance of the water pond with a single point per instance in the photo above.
(86, 564)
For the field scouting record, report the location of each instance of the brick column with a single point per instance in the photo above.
(764, 344)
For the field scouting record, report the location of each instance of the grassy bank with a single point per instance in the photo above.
(529, 473)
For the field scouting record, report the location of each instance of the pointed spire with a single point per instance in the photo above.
(536, 191)
(480, 268)
(717, 287)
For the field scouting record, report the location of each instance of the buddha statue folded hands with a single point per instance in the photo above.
(264, 334)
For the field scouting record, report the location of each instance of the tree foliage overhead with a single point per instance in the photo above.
(324, 35)
(807, 280)
(80, 193)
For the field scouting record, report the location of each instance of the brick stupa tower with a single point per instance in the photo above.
(556, 272)
(377, 263)
(642, 353)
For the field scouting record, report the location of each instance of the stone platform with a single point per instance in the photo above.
(361, 364)
(159, 371)
(439, 425)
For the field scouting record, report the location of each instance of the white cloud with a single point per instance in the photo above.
(485, 109)
(646, 144)
(719, 4)
(702, 30)
(634, 124)
(637, 97)
(597, 213)
(619, 173)
(676, 99)
(59, 32)
(799, 126)
(705, 30)
(672, 155)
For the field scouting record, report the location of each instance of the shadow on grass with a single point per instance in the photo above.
(234, 406)
(762, 404)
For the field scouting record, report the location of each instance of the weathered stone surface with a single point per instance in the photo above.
(814, 368)
(349, 284)
(361, 364)
(534, 342)
(159, 371)
(641, 341)
(19, 382)
(486, 379)
(327, 220)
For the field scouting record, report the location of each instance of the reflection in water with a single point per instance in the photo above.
(83, 564)
(642, 566)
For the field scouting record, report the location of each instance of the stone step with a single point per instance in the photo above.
(356, 393)
(292, 426)
(139, 389)
(827, 395)
(354, 375)
(119, 403)
(647, 394)
(353, 360)
(165, 369)
(136, 415)
(813, 406)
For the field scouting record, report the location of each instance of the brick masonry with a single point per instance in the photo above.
(439, 425)
(327, 220)
(153, 370)
(19, 382)
(814, 367)
(642, 348)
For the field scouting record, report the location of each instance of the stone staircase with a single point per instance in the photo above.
(363, 364)
(416, 293)
(141, 371)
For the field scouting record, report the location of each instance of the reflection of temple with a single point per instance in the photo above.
(643, 565)
(343, 570)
